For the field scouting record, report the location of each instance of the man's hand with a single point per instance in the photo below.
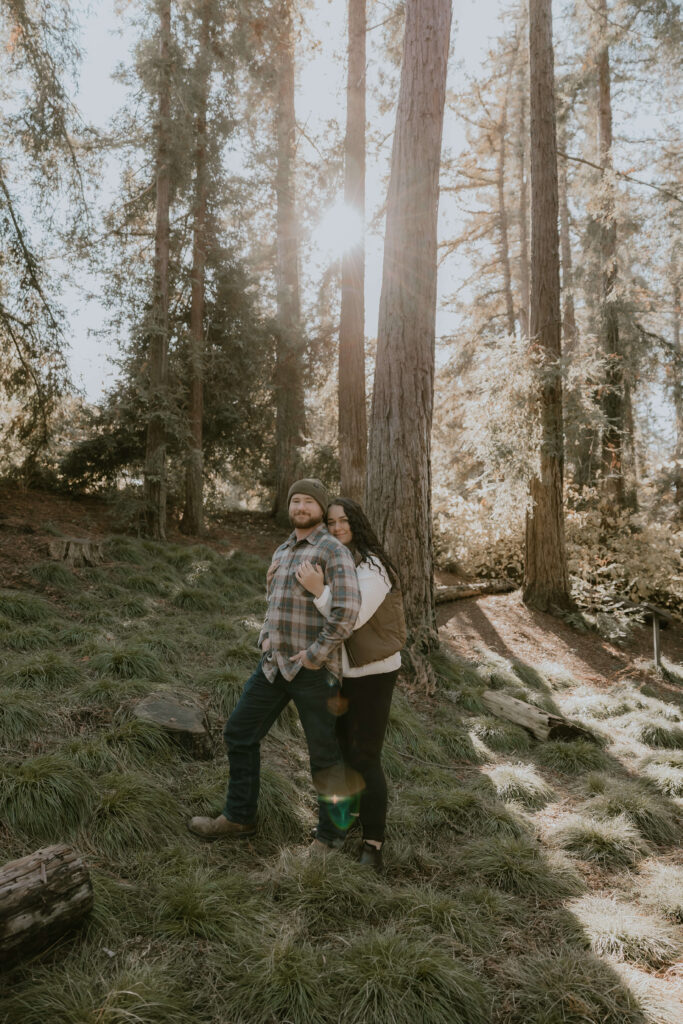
(302, 660)
(311, 578)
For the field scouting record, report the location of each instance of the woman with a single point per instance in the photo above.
(367, 685)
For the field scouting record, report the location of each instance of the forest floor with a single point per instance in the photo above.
(526, 883)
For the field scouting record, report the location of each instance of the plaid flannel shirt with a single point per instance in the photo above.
(293, 623)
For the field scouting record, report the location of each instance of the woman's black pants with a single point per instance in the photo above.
(361, 732)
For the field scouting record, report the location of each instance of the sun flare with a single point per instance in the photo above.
(339, 229)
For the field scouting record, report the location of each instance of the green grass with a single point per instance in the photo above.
(26, 608)
(197, 599)
(655, 733)
(518, 866)
(133, 813)
(198, 902)
(660, 885)
(17, 636)
(53, 574)
(567, 987)
(127, 661)
(572, 758)
(49, 669)
(457, 811)
(667, 778)
(611, 843)
(23, 714)
(620, 931)
(46, 798)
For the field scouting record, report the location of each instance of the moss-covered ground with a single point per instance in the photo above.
(525, 883)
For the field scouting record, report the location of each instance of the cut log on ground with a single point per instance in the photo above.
(76, 553)
(461, 590)
(541, 724)
(42, 897)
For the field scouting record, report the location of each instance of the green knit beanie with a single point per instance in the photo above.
(314, 488)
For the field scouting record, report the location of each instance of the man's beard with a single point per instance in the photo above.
(312, 519)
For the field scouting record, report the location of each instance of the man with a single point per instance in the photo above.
(301, 662)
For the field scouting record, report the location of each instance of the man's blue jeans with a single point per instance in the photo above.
(258, 707)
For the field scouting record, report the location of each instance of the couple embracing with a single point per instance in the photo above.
(331, 642)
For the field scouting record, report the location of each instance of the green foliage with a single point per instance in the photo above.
(45, 798)
(132, 813)
(15, 636)
(280, 812)
(49, 669)
(657, 734)
(459, 810)
(518, 865)
(571, 758)
(127, 661)
(660, 885)
(567, 987)
(197, 599)
(25, 608)
(53, 574)
(614, 842)
(390, 978)
(22, 715)
(196, 902)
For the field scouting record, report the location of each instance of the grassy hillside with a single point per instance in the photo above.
(526, 883)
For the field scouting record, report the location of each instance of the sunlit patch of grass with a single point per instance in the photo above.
(23, 715)
(656, 819)
(667, 779)
(197, 599)
(45, 798)
(608, 843)
(661, 886)
(571, 758)
(501, 736)
(624, 933)
(559, 677)
(519, 866)
(49, 669)
(25, 608)
(529, 675)
(16, 636)
(655, 733)
(132, 812)
(521, 783)
(53, 574)
(83, 993)
(127, 661)
(458, 810)
(469, 698)
(597, 705)
(389, 977)
(567, 987)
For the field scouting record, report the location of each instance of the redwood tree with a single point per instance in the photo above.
(289, 391)
(399, 466)
(545, 564)
(155, 455)
(352, 416)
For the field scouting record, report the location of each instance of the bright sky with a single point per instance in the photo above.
(320, 96)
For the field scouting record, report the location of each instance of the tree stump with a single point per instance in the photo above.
(42, 896)
(76, 553)
(182, 718)
(541, 724)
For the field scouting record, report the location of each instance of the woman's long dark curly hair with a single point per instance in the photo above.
(364, 540)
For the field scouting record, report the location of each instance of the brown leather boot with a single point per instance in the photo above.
(220, 828)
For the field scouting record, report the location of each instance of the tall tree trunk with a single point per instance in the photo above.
(613, 390)
(504, 248)
(523, 136)
(545, 565)
(289, 390)
(155, 455)
(399, 463)
(678, 386)
(193, 516)
(352, 415)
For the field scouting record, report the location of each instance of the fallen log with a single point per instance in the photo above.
(76, 553)
(458, 591)
(541, 724)
(42, 896)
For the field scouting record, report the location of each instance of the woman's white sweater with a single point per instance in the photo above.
(374, 586)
